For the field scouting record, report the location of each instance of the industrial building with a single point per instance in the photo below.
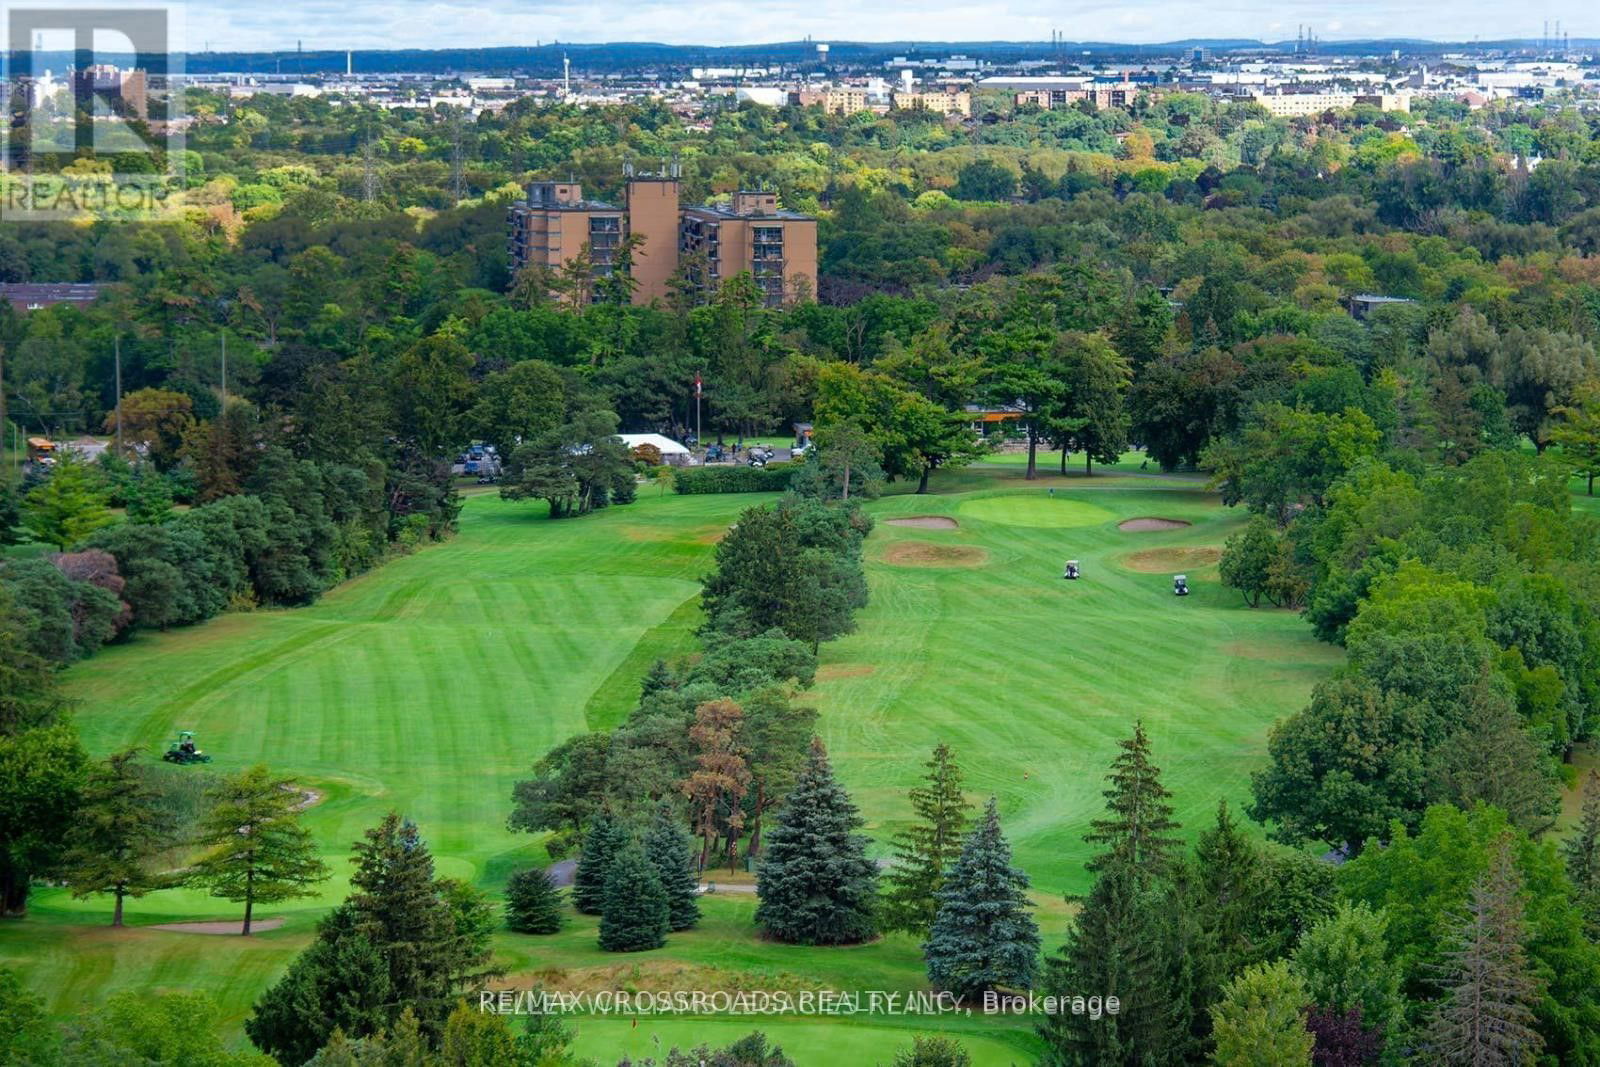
(554, 223)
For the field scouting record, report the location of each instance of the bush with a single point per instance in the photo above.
(770, 479)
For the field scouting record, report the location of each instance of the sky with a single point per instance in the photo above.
(264, 25)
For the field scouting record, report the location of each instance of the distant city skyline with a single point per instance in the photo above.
(246, 25)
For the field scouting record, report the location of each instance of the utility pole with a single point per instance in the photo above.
(117, 350)
(369, 172)
(699, 442)
(458, 183)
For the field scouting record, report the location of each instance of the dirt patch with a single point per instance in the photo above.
(844, 670)
(923, 554)
(230, 926)
(925, 522)
(1148, 523)
(1162, 560)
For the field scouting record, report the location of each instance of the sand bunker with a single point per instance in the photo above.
(1162, 560)
(925, 522)
(1147, 524)
(923, 554)
(230, 926)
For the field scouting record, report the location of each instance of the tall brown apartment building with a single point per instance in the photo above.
(126, 90)
(778, 248)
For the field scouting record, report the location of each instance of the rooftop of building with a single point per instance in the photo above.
(717, 211)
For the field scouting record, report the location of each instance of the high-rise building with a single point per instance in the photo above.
(551, 226)
(125, 90)
(778, 248)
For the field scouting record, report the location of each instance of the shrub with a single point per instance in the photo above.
(771, 479)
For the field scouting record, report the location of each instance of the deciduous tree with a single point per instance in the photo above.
(119, 831)
(257, 851)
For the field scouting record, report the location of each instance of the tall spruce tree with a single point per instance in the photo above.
(1491, 988)
(926, 849)
(982, 936)
(636, 908)
(1222, 892)
(600, 844)
(1582, 853)
(815, 884)
(1137, 832)
(340, 982)
(667, 846)
(402, 910)
(116, 835)
(533, 903)
(1131, 933)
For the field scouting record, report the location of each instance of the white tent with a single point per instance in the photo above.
(671, 451)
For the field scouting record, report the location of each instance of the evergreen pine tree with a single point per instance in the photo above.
(926, 849)
(605, 836)
(118, 831)
(1487, 1014)
(1131, 935)
(667, 846)
(1124, 940)
(636, 910)
(1138, 832)
(1221, 894)
(1582, 852)
(400, 908)
(533, 903)
(815, 884)
(340, 983)
(982, 936)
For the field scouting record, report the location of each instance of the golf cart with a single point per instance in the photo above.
(1180, 585)
(1071, 573)
(183, 750)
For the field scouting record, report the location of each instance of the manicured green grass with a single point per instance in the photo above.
(431, 685)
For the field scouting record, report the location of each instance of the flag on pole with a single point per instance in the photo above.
(696, 383)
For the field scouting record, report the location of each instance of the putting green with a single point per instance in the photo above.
(1035, 509)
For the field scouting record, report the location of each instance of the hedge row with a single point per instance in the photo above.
(734, 479)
